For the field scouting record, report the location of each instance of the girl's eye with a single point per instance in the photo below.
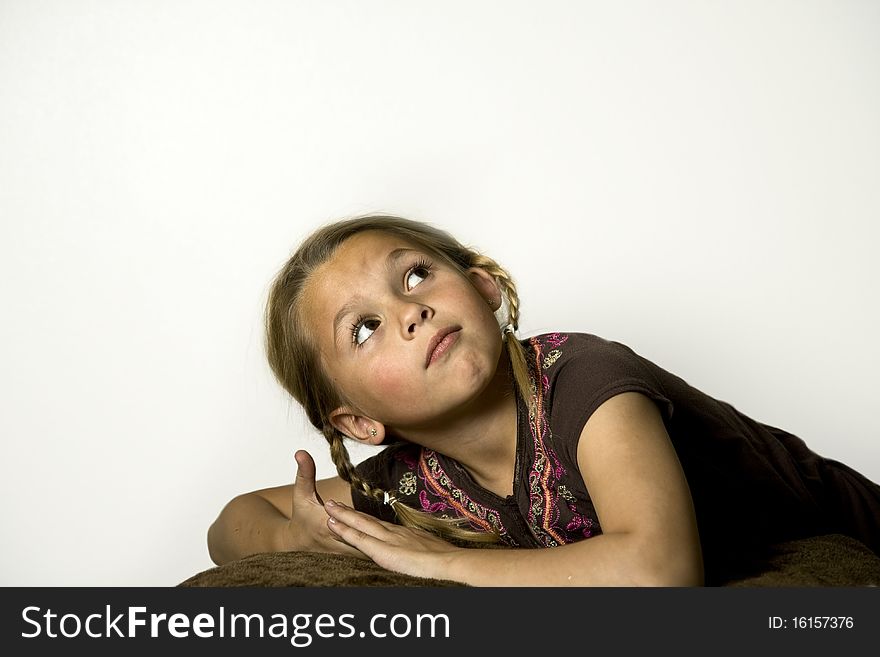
(417, 274)
(362, 329)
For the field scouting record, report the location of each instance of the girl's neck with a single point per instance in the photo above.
(482, 436)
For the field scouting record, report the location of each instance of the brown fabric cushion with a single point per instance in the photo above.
(305, 569)
(832, 560)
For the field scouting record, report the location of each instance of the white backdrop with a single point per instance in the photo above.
(698, 180)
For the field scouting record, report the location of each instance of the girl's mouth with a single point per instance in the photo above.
(440, 343)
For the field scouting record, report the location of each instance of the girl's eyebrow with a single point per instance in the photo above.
(396, 255)
(347, 308)
(391, 260)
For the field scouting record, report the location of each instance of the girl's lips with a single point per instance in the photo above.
(440, 343)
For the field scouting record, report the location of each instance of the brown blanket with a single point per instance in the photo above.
(832, 560)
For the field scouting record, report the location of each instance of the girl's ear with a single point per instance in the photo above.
(486, 285)
(358, 427)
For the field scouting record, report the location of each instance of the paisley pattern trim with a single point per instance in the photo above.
(440, 486)
(546, 470)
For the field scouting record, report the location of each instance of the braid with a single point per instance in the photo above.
(451, 529)
(342, 460)
(514, 348)
(504, 280)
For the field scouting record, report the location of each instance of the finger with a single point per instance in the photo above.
(361, 522)
(341, 547)
(356, 538)
(304, 486)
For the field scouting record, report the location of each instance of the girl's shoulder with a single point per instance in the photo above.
(551, 351)
(576, 372)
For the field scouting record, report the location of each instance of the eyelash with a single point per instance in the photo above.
(355, 329)
(421, 263)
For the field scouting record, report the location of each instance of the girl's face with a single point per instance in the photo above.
(407, 338)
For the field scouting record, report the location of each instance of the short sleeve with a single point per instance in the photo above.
(588, 371)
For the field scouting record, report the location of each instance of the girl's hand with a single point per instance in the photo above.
(307, 528)
(394, 547)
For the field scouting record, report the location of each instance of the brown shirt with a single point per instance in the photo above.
(752, 484)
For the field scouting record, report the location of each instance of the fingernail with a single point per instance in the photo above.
(330, 503)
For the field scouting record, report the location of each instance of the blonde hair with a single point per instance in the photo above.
(295, 362)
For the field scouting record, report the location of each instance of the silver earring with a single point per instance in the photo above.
(373, 432)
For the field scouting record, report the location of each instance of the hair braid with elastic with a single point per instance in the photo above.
(515, 351)
(342, 461)
(451, 528)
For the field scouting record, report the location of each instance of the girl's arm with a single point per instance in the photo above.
(640, 495)
(282, 518)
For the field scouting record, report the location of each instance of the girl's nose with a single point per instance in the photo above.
(416, 317)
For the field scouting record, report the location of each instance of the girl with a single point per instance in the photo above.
(387, 332)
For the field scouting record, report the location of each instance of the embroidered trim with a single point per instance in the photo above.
(546, 470)
(438, 483)
(407, 484)
(551, 358)
(578, 522)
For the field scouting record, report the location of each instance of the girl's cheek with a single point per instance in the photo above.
(389, 381)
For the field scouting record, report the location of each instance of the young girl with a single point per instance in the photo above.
(390, 332)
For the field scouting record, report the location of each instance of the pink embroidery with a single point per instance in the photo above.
(579, 522)
(436, 507)
(556, 340)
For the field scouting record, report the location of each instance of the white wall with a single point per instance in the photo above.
(696, 179)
